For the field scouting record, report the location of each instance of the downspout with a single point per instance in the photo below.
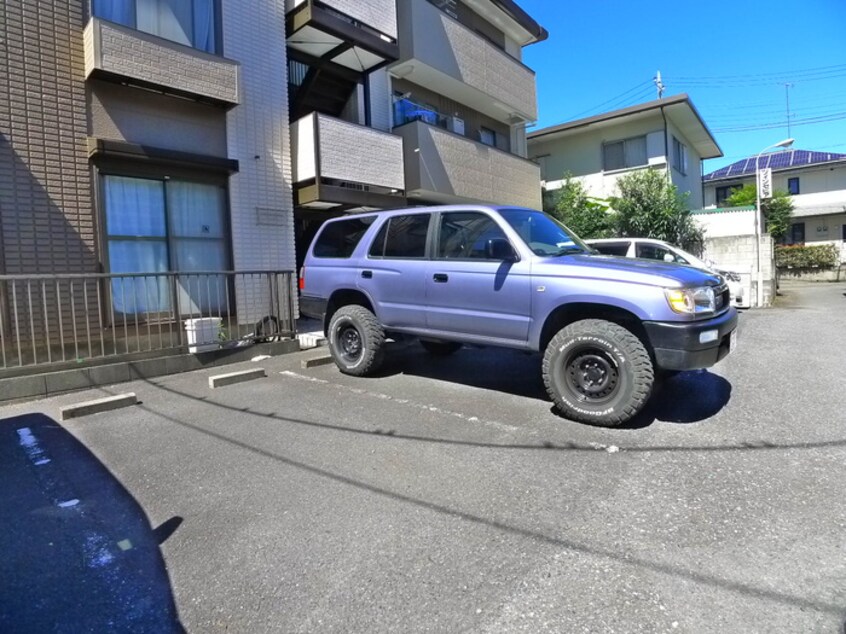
(666, 145)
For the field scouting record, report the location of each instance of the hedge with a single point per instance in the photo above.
(823, 256)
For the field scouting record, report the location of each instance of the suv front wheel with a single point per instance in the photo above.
(597, 372)
(356, 340)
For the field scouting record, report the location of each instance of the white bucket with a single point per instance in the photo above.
(203, 334)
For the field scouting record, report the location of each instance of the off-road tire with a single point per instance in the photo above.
(440, 348)
(356, 341)
(597, 372)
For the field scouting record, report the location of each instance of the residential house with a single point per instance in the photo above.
(667, 134)
(816, 182)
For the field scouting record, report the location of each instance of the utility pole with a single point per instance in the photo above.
(659, 84)
(787, 88)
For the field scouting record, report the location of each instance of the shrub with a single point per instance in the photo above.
(824, 256)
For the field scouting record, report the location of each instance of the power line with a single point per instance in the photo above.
(816, 70)
(623, 95)
(796, 122)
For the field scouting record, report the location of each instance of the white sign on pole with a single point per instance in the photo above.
(765, 183)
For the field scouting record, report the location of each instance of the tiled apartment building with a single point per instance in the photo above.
(179, 135)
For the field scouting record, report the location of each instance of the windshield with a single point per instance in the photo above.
(543, 234)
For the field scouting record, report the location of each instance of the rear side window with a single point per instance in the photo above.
(655, 252)
(612, 248)
(339, 239)
(402, 237)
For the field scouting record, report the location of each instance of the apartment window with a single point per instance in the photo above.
(679, 156)
(624, 154)
(189, 22)
(487, 136)
(793, 186)
(157, 225)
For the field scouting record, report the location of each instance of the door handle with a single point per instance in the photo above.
(368, 275)
(441, 277)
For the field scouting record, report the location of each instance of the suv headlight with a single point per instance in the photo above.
(692, 301)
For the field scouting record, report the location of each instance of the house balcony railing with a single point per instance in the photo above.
(445, 167)
(441, 53)
(338, 164)
(115, 52)
(52, 321)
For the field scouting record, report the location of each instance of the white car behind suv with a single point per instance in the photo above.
(650, 249)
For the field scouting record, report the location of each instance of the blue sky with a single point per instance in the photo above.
(732, 58)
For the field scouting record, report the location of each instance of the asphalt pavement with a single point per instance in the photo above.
(444, 495)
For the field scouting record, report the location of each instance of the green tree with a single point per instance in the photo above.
(777, 210)
(649, 206)
(588, 217)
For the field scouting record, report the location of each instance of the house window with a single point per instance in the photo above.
(797, 233)
(679, 156)
(793, 186)
(723, 193)
(487, 136)
(189, 22)
(624, 154)
(155, 226)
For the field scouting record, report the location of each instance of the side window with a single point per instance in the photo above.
(655, 252)
(339, 239)
(793, 186)
(612, 248)
(464, 235)
(402, 237)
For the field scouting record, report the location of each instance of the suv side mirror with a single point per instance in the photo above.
(500, 249)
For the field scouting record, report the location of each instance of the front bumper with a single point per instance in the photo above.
(677, 345)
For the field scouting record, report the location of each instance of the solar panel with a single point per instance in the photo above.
(775, 160)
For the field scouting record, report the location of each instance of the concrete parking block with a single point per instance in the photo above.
(222, 380)
(316, 361)
(99, 405)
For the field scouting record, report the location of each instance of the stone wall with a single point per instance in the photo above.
(737, 253)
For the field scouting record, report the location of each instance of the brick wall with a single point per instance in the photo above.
(45, 188)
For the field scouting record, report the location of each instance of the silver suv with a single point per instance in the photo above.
(515, 278)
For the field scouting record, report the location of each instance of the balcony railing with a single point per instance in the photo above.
(448, 167)
(120, 53)
(340, 162)
(49, 320)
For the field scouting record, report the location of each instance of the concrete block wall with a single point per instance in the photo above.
(379, 14)
(258, 136)
(737, 253)
(112, 48)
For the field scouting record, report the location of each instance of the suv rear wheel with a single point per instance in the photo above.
(356, 340)
(597, 372)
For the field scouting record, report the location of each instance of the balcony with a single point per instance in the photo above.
(343, 166)
(358, 36)
(444, 167)
(122, 54)
(442, 54)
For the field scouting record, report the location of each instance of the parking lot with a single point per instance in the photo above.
(443, 496)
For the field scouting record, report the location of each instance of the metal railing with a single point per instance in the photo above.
(72, 318)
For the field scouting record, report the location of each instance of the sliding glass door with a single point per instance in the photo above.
(154, 226)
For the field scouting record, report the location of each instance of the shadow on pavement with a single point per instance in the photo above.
(689, 397)
(79, 552)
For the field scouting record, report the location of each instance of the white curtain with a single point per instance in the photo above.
(170, 19)
(197, 213)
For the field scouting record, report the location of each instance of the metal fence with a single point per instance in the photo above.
(72, 318)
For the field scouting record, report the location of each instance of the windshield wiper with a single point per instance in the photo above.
(568, 250)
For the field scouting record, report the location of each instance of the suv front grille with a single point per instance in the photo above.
(722, 297)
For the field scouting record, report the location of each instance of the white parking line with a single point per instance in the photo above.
(402, 401)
